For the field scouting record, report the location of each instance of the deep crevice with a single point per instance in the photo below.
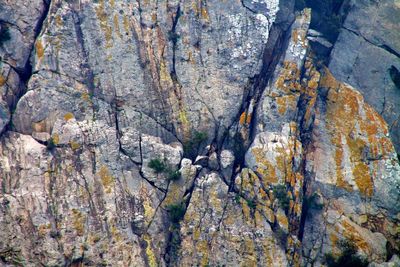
(276, 46)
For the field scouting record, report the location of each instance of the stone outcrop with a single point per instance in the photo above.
(195, 133)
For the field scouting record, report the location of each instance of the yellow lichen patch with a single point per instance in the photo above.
(78, 221)
(185, 123)
(148, 210)
(106, 179)
(2, 80)
(165, 77)
(115, 233)
(59, 21)
(204, 13)
(202, 248)
(74, 145)
(126, 24)
(56, 139)
(116, 25)
(265, 168)
(351, 233)
(43, 229)
(154, 17)
(151, 258)
(248, 252)
(103, 19)
(246, 210)
(282, 220)
(68, 116)
(39, 49)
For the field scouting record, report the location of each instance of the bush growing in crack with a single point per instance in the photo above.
(281, 194)
(50, 144)
(313, 202)
(157, 165)
(161, 166)
(348, 257)
(251, 203)
(176, 212)
(173, 36)
(191, 147)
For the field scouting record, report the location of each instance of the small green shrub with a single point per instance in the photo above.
(173, 175)
(173, 36)
(191, 147)
(281, 194)
(4, 34)
(161, 166)
(251, 203)
(348, 257)
(176, 212)
(157, 165)
(312, 202)
(237, 199)
(50, 144)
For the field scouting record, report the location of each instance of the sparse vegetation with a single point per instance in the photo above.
(191, 148)
(173, 36)
(50, 144)
(176, 212)
(173, 175)
(161, 166)
(281, 194)
(251, 203)
(348, 257)
(395, 76)
(157, 165)
(4, 34)
(312, 202)
(11, 256)
(237, 199)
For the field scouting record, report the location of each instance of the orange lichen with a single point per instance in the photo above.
(356, 128)
(245, 118)
(59, 21)
(2, 80)
(39, 49)
(286, 102)
(204, 13)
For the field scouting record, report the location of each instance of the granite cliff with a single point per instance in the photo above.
(199, 133)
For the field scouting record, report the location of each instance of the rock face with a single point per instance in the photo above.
(367, 56)
(195, 133)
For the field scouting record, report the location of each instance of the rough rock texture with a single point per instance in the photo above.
(194, 133)
(367, 56)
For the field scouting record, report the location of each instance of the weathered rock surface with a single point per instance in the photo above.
(195, 133)
(367, 53)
